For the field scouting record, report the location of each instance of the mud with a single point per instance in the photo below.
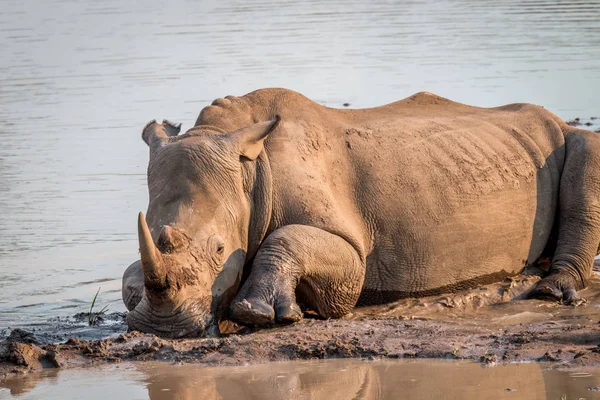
(59, 329)
(490, 324)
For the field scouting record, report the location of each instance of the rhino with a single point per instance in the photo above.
(273, 204)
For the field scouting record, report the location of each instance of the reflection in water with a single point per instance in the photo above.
(268, 382)
(327, 380)
(23, 384)
(79, 79)
(366, 380)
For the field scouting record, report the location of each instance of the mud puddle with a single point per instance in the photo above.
(342, 379)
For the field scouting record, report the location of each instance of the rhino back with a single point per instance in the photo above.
(432, 193)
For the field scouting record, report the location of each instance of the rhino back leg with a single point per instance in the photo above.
(579, 220)
(323, 269)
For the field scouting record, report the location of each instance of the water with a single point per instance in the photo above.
(338, 379)
(79, 79)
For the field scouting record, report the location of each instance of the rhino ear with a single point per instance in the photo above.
(250, 140)
(171, 129)
(154, 134)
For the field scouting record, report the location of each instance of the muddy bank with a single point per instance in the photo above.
(490, 324)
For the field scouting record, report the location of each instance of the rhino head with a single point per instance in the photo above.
(209, 209)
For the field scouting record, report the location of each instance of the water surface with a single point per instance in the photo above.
(79, 79)
(335, 379)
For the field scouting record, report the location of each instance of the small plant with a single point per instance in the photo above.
(92, 316)
(455, 352)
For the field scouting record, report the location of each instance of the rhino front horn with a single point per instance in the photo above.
(151, 257)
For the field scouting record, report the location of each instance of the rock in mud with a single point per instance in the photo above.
(20, 353)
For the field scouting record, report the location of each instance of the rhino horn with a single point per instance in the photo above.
(151, 257)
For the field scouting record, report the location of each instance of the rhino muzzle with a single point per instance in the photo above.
(166, 307)
(190, 319)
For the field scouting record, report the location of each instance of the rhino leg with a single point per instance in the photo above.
(133, 285)
(323, 269)
(579, 220)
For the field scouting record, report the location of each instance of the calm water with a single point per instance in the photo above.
(79, 79)
(327, 380)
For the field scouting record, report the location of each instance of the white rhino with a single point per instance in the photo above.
(273, 203)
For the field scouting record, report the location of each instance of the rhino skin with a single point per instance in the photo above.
(272, 204)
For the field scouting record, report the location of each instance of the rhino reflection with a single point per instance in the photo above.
(461, 381)
(276, 381)
(334, 379)
(352, 379)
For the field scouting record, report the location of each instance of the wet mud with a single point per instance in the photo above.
(490, 324)
(59, 329)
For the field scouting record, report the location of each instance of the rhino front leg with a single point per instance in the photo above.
(323, 269)
(579, 221)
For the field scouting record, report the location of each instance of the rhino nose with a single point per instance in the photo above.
(170, 239)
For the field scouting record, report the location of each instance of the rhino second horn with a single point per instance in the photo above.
(152, 261)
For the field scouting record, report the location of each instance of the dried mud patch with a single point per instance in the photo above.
(491, 324)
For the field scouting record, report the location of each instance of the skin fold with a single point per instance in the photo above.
(272, 204)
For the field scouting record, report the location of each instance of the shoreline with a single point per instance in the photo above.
(490, 324)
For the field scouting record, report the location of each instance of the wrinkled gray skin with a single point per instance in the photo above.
(254, 218)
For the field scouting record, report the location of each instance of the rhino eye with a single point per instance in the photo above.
(217, 244)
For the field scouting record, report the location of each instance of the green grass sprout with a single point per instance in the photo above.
(92, 316)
